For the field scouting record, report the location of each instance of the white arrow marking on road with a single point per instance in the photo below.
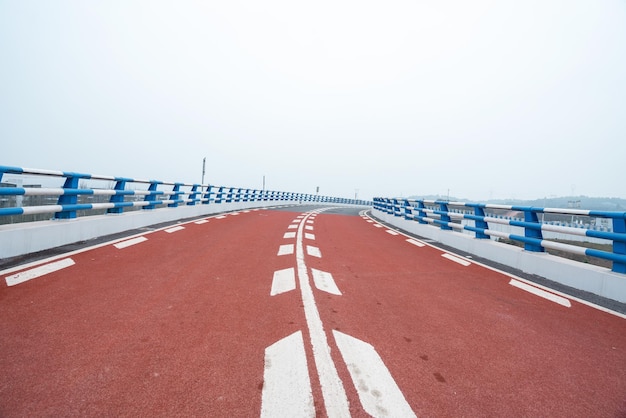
(378, 392)
(324, 281)
(286, 382)
(283, 281)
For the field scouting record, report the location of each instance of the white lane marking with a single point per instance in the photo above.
(310, 221)
(289, 235)
(27, 275)
(246, 211)
(202, 221)
(389, 231)
(541, 293)
(283, 281)
(370, 221)
(130, 242)
(378, 392)
(313, 251)
(309, 228)
(414, 242)
(293, 226)
(220, 217)
(333, 392)
(378, 225)
(324, 281)
(174, 229)
(456, 259)
(309, 236)
(235, 213)
(286, 383)
(285, 249)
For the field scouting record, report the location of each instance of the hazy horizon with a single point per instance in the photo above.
(486, 99)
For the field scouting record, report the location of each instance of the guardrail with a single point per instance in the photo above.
(480, 220)
(127, 193)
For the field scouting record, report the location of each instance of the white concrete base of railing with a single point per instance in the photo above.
(587, 277)
(26, 238)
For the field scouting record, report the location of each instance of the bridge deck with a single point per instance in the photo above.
(293, 313)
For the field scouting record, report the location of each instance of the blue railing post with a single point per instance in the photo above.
(71, 182)
(175, 196)
(194, 195)
(421, 213)
(207, 194)
(120, 185)
(408, 210)
(220, 195)
(480, 223)
(152, 196)
(619, 247)
(445, 218)
(531, 216)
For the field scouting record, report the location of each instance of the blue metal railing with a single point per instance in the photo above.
(450, 215)
(125, 193)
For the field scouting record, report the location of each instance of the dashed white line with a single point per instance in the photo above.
(286, 383)
(414, 242)
(27, 275)
(220, 217)
(458, 260)
(289, 235)
(313, 251)
(391, 232)
(129, 242)
(283, 281)
(541, 293)
(309, 227)
(309, 236)
(293, 226)
(378, 392)
(202, 221)
(324, 281)
(174, 229)
(377, 225)
(333, 392)
(285, 249)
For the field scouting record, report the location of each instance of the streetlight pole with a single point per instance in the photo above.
(203, 169)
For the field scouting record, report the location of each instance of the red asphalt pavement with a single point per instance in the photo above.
(178, 325)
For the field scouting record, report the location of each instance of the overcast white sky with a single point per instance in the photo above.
(499, 99)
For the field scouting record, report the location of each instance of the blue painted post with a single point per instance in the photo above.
(120, 185)
(220, 195)
(619, 247)
(445, 218)
(194, 195)
(71, 182)
(207, 195)
(408, 210)
(479, 211)
(175, 196)
(531, 216)
(152, 197)
(420, 211)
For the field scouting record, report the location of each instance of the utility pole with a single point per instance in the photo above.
(203, 169)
